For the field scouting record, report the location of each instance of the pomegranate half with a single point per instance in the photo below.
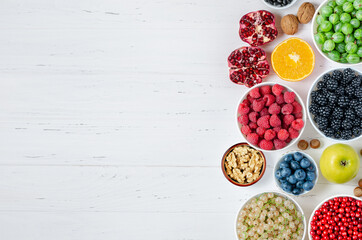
(258, 28)
(248, 66)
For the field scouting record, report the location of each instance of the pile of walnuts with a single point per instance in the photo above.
(290, 22)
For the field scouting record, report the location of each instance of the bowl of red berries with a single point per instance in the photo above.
(335, 104)
(338, 217)
(271, 116)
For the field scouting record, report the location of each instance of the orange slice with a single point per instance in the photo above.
(293, 59)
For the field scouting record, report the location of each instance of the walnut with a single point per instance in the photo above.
(305, 12)
(290, 24)
(358, 192)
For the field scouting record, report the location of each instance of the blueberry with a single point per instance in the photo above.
(299, 184)
(278, 174)
(287, 187)
(283, 180)
(294, 165)
(284, 164)
(310, 176)
(304, 163)
(297, 191)
(311, 167)
(308, 185)
(288, 158)
(286, 172)
(292, 179)
(300, 174)
(298, 156)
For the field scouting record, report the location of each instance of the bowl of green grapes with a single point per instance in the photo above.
(337, 31)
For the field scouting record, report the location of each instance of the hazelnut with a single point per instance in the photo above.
(289, 24)
(360, 183)
(315, 143)
(303, 144)
(358, 192)
(305, 12)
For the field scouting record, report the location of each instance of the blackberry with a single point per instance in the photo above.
(326, 77)
(332, 84)
(338, 75)
(356, 82)
(356, 131)
(322, 122)
(346, 134)
(349, 114)
(349, 73)
(358, 92)
(332, 98)
(337, 113)
(336, 124)
(358, 110)
(350, 90)
(337, 135)
(321, 99)
(343, 101)
(329, 132)
(313, 108)
(347, 124)
(321, 84)
(324, 111)
(339, 91)
(353, 103)
(357, 122)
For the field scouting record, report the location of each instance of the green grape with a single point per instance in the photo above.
(340, 2)
(334, 18)
(350, 1)
(353, 58)
(359, 15)
(326, 11)
(351, 47)
(357, 4)
(329, 35)
(320, 38)
(341, 47)
(338, 10)
(359, 42)
(320, 19)
(355, 22)
(348, 7)
(353, 13)
(334, 55)
(358, 34)
(329, 45)
(359, 52)
(337, 37)
(319, 28)
(349, 38)
(347, 28)
(338, 27)
(332, 4)
(327, 26)
(345, 17)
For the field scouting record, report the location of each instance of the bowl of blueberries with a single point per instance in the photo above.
(279, 4)
(296, 173)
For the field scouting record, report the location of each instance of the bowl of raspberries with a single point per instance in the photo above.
(335, 104)
(271, 116)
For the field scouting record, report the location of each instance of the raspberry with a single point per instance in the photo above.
(265, 90)
(264, 112)
(274, 109)
(275, 121)
(253, 116)
(269, 99)
(284, 126)
(288, 140)
(260, 131)
(245, 130)
(279, 99)
(269, 134)
(253, 138)
(246, 102)
(258, 105)
(287, 109)
(297, 108)
(289, 97)
(283, 134)
(253, 125)
(277, 89)
(243, 120)
(254, 93)
(264, 121)
(266, 145)
(293, 133)
(298, 124)
(279, 144)
(288, 119)
(277, 129)
(243, 109)
(250, 99)
(298, 115)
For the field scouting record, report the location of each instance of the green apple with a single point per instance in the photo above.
(339, 163)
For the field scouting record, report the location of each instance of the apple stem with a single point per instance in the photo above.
(343, 163)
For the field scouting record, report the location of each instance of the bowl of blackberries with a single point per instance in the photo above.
(335, 104)
(279, 4)
(296, 173)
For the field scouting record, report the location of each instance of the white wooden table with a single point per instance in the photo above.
(115, 114)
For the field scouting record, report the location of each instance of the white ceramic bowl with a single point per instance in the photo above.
(300, 101)
(299, 208)
(277, 165)
(309, 101)
(275, 7)
(319, 205)
(314, 31)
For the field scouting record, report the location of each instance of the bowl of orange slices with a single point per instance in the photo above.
(293, 59)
